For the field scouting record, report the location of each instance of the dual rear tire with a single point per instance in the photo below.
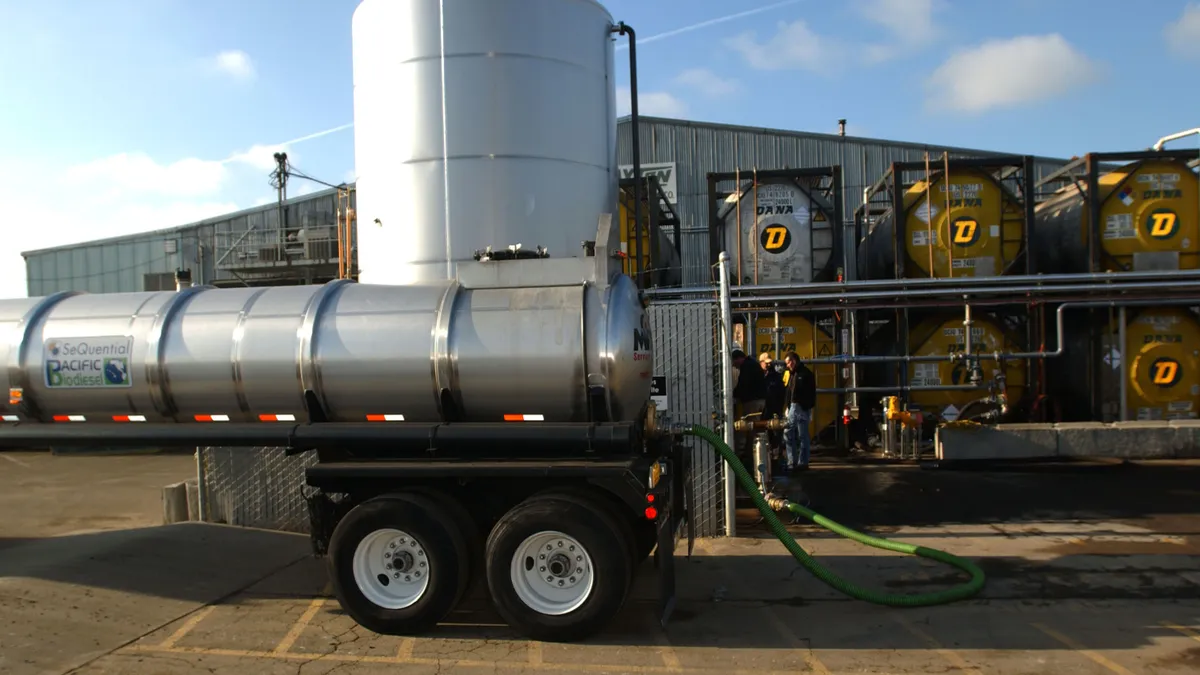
(558, 568)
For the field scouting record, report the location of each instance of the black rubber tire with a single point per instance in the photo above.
(442, 542)
(471, 536)
(590, 498)
(610, 567)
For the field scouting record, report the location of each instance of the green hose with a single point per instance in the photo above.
(962, 592)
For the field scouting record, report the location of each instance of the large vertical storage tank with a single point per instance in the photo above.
(974, 228)
(1149, 220)
(479, 123)
(781, 231)
(944, 334)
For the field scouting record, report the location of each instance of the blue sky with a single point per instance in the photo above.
(121, 116)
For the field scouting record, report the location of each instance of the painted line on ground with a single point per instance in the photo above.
(1083, 650)
(187, 627)
(952, 657)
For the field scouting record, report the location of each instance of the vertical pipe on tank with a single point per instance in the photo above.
(623, 29)
(727, 389)
(754, 181)
(183, 279)
(445, 139)
(737, 179)
(778, 337)
(1124, 414)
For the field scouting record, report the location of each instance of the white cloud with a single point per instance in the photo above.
(261, 157)
(707, 82)
(909, 21)
(1008, 73)
(1183, 34)
(125, 174)
(235, 63)
(654, 103)
(794, 47)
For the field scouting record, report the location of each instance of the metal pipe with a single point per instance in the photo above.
(902, 388)
(1124, 364)
(1175, 136)
(1060, 329)
(934, 293)
(624, 29)
(727, 391)
(956, 282)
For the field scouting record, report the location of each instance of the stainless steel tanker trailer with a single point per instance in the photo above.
(476, 413)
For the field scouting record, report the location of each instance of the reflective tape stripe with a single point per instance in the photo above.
(285, 417)
(385, 418)
(212, 418)
(70, 418)
(524, 418)
(11, 418)
(129, 418)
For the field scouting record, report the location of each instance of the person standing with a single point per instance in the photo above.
(751, 392)
(799, 399)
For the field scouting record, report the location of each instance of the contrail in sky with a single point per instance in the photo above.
(709, 22)
(318, 134)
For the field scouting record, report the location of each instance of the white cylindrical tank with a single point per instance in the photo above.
(479, 123)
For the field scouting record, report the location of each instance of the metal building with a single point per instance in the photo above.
(260, 246)
(250, 247)
(682, 154)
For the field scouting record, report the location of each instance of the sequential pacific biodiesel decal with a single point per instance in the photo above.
(88, 362)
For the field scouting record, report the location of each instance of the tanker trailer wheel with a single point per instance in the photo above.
(398, 564)
(634, 539)
(557, 569)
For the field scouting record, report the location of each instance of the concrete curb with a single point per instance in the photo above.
(1177, 439)
(181, 502)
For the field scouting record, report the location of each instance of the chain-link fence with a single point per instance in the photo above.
(686, 354)
(255, 487)
(262, 487)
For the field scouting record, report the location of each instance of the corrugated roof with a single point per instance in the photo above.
(821, 136)
(151, 234)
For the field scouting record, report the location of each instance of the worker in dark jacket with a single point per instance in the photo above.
(774, 379)
(750, 391)
(799, 399)
(774, 407)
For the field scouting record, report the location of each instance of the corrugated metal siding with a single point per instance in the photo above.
(699, 149)
(119, 265)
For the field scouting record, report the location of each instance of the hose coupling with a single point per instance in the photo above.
(776, 503)
(760, 425)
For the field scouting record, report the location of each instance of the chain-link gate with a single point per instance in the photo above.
(686, 353)
(262, 487)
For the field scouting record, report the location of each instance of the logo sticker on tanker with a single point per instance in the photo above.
(88, 363)
(1165, 372)
(775, 238)
(1162, 223)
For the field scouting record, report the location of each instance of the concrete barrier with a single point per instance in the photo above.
(181, 502)
(1179, 439)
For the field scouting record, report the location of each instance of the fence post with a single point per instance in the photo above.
(727, 392)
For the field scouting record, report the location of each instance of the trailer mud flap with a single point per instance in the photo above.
(664, 560)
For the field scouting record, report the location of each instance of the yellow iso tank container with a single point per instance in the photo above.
(946, 335)
(1163, 372)
(968, 226)
(1149, 220)
(667, 270)
(808, 341)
